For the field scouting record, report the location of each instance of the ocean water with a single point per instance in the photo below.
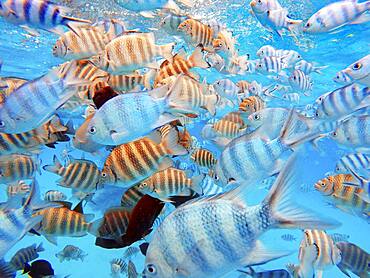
(29, 57)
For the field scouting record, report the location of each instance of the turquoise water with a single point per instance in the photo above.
(29, 57)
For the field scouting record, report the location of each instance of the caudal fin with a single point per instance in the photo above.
(211, 101)
(53, 168)
(197, 60)
(283, 213)
(166, 51)
(170, 142)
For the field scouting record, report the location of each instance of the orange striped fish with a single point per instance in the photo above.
(170, 182)
(80, 174)
(252, 104)
(130, 82)
(236, 118)
(114, 223)
(131, 52)
(344, 191)
(132, 162)
(63, 221)
(17, 167)
(204, 158)
(181, 65)
(195, 33)
(131, 197)
(228, 129)
(243, 86)
(185, 139)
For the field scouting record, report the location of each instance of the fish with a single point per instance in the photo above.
(171, 22)
(290, 57)
(113, 224)
(215, 61)
(20, 188)
(204, 158)
(79, 175)
(353, 161)
(185, 139)
(54, 196)
(251, 105)
(227, 88)
(181, 65)
(40, 14)
(224, 44)
(131, 82)
(6, 271)
(224, 129)
(132, 162)
(352, 132)
(260, 8)
(277, 273)
(142, 5)
(17, 167)
(271, 64)
(300, 81)
(130, 52)
(131, 252)
(354, 259)
(25, 255)
(196, 33)
(62, 221)
(278, 20)
(292, 97)
(236, 118)
(71, 252)
(288, 237)
(210, 187)
(308, 67)
(131, 197)
(190, 245)
(357, 72)
(39, 268)
(118, 266)
(34, 103)
(337, 237)
(131, 270)
(8, 85)
(336, 15)
(170, 182)
(341, 102)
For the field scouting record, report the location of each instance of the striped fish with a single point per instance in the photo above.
(149, 5)
(118, 266)
(341, 102)
(132, 162)
(278, 20)
(300, 81)
(354, 161)
(226, 88)
(131, 52)
(271, 64)
(236, 118)
(266, 50)
(131, 197)
(357, 72)
(8, 85)
(195, 33)
(204, 158)
(113, 225)
(212, 236)
(345, 193)
(71, 252)
(34, 102)
(185, 139)
(131, 82)
(20, 188)
(261, 7)
(336, 15)
(210, 187)
(54, 196)
(170, 182)
(17, 167)
(228, 129)
(292, 97)
(308, 67)
(171, 22)
(181, 65)
(80, 174)
(354, 259)
(25, 255)
(353, 132)
(277, 273)
(243, 86)
(336, 237)
(83, 42)
(251, 104)
(131, 252)
(63, 221)
(131, 270)
(39, 14)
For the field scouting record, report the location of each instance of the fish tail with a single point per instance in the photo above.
(53, 168)
(197, 59)
(170, 142)
(283, 213)
(6, 269)
(72, 23)
(40, 248)
(166, 51)
(319, 69)
(95, 226)
(148, 77)
(211, 101)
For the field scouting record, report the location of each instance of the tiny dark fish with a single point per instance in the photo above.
(288, 237)
(103, 95)
(277, 273)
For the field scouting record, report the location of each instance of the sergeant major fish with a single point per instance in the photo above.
(358, 72)
(25, 255)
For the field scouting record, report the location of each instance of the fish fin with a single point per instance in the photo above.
(165, 199)
(65, 204)
(170, 142)
(32, 32)
(34, 232)
(318, 69)
(180, 54)
(197, 59)
(6, 269)
(344, 270)
(40, 248)
(32, 222)
(188, 3)
(73, 22)
(197, 182)
(53, 168)
(148, 14)
(294, 26)
(165, 164)
(164, 119)
(52, 239)
(89, 217)
(143, 248)
(79, 208)
(361, 19)
(33, 201)
(166, 51)
(95, 226)
(283, 212)
(261, 255)
(160, 92)
(211, 101)
(148, 77)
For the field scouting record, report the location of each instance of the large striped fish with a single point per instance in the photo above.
(357, 162)
(358, 72)
(131, 197)
(33, 103)
(354, 259)
(17, 167)
(197, 33)
(213, 236)
(41, 14)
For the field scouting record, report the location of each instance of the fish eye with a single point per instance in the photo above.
(2, 124)
(335, 134)
(337, 169)
(323, 184)
(151, 269)
(92, 130)
(357, 66)
(256, 117)
(104, 175)
(308, 24)
(317, 114)
(294, 77)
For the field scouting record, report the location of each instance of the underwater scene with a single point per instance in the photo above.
(184, 138)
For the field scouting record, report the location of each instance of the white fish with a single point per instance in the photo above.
(358, 72)
(308, 67)
(300, 81)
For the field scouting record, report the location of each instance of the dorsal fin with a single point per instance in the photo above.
(79, 208)
(65, 204)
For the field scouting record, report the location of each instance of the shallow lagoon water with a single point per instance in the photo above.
(29, 57)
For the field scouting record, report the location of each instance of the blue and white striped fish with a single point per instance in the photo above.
(336, 15)
(171, 22)
(34, 103)
(341, 102)
(292, 97)
(278, 20)
(358, 72)
(41, 14)
(291, 57)
(210, 187)
(226, 88)
(212, 236)
(358, 162)
(300, 81)
(271, 64)
(260, 8)
(308, 67)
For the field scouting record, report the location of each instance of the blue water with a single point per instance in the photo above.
(30, 57)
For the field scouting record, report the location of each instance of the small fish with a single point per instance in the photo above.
(171, 22)
(291, 57)
(118, 266)
(39, 14)
(292, 97)
(204, 158)
(236, 118)
(131, 270)
(215, 61)
(300, 81)
(260, 9)
(336, 15)
(227, 129)
(271, 64)
(308, 67)
(113, 224)
(131, 197)
(131, 252)
(39, 268)
(224, 44)
(195, 33)
(54, 196)
(354, 161)
(278, 20)
(20, 188)
(132, 162)
(130, 52)
(17, 167)
(170, 182)
(341, 102)
(357, 72)
(336, 237)
(80, 174)
(354, 259)
(131, 82)
(25, 255)
(288, 237)
(71, 252)
(226, 88)
(277, 273)
(198, 237)
(251, 104)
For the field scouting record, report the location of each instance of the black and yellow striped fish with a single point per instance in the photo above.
(131, 197)
(17, 167)
(204, 158)
(25, 255)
